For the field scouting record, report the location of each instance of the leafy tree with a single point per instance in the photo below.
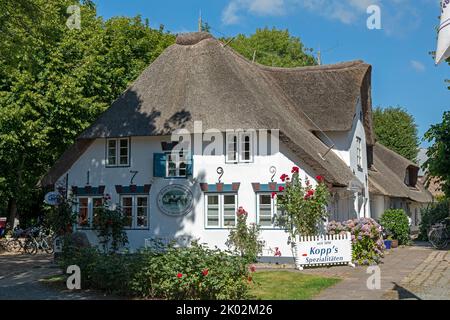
(273, 47)
(55, 81)
(396, 129)
(438, 163)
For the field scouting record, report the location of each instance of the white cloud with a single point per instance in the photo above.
(397, 16)
(230, 15)
(418, 66)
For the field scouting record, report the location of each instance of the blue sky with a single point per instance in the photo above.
(403, 71)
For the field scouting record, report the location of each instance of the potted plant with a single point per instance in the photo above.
(394, 243)
(388, 242)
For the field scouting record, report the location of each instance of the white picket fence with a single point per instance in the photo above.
(322, 250)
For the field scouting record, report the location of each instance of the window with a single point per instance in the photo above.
(176, 165)
(135, 209)
(87, 209)
(232, 147)
(239, 147)
(267, 210)
(117, 152)
(221, 210)
(358, 152)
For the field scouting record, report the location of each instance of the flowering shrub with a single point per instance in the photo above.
(110, 225)
(367, 240)
(174, 273)
(396, 223)
(303, 207)
(244, 239)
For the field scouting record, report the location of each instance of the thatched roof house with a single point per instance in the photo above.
(200, 79)
(395, 176)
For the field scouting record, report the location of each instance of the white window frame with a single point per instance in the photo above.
(178, 161)
(242, 136)
(117, 152)
(273, 210)
(221, 211)
(359, 152)
(239, 146)
(134, 210)
(90, 208)
(229, 142)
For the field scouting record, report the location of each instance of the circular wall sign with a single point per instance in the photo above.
(175, 200)
(52, 198)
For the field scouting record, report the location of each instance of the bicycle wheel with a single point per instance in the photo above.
(30, 247)
(47, 244)
(438, 239)
(14, 245)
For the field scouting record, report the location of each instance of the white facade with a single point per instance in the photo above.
(91, 168)
(350, 146)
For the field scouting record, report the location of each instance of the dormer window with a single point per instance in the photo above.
(411, 176)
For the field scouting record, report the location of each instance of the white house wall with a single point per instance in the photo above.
(192, 225)
(345, 147)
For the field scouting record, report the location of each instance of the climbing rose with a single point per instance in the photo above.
(281, 188)
(274, 194)
(284, 177)
(295, 169)
(252, 268)
(241, 211)
(179, 275)
(205, 272)
(319, 178)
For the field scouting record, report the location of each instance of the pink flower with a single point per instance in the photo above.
(295, 169)
(252, 268)
(241, 211)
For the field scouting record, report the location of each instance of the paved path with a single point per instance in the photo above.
(20, 275)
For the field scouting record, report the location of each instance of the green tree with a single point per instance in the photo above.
(273, 47)
(438, 163)
(59, 81)
(396, 129)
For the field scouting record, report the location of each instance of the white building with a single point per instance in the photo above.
(320, 115)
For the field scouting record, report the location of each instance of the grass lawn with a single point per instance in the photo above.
(286, 285)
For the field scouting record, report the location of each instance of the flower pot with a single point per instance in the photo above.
(394, 244)
(387, 244)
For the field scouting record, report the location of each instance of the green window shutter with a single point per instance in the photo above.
(159, 165)
(189, 167)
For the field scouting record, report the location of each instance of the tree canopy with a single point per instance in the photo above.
(396, 129)
(273, 47)
(55, 81)
(438, 163)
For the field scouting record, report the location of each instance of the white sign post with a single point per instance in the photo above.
(323, 250)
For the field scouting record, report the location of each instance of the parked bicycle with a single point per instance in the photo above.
(31, 241)
(439, 235)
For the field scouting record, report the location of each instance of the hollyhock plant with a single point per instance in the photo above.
(303, 207)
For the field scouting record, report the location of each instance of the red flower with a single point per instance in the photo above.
(284, 177)
(281, 188)
(295, 169)
(205, 272)
(249, 279)
(179, 275)
(319, 178)
(310, 192)
(241, 211)
(252, 268)
(274, 194)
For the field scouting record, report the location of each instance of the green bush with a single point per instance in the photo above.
(243, 239)
(195, 272)
(434, 213)
(395, 222)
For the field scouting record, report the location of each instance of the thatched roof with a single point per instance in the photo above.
(388, 173)
(200, 79)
